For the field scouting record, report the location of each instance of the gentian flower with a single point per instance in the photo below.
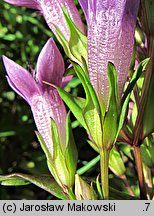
(53, 14)
(43, 99)
(111, 28)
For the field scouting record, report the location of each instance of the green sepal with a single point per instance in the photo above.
(50, 161)
(91, 111)
(110, 124)
(64, 44)
(71, 154)
(60, 171)
(75, 104)
(76, 47)
(85, 110)
(91, 97)
(45, 182)
(116, 163)
(77, 41)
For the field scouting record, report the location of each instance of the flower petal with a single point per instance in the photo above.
(84, 6)
(14, 88)
(110, 38)
(53, 14)
(50, 64)
(24, 3)
(21, 80)
(65, 80)
(45, 107)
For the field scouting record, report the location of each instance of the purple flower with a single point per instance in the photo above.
(53, 14)
(43, 99)
(111, 28)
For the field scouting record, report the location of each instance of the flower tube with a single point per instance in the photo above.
(111, 28)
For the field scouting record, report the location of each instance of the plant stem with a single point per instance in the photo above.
(140, 174)
(71, 195)
(89, 165)
(104, 165)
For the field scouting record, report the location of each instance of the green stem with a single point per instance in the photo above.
(89, 165)
(104, 165)
(71, 195)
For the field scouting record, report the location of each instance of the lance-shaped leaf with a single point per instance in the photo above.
(53, 13)
(45, 182)
(148, 122)
(146, 16)
(111, 28)
(89, 112)
(116, 163)
(147, 155)
(126, 97)
(110, 121)
(43, 99)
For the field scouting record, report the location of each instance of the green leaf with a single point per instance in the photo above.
(116, 163)
(148, 121)
(91, 111)
(64, 44)
(91, 96)
(14, 182)
(50, 161)
(45, 182)
(93, 145)
(75, 104)
(60, 171)
(128, 91)
(71, 154)
(147, 155)
(99, 189)
(136, 75)
(110, 124)
(118, 195)
(76, 47)
(93, 122)
(78, 41)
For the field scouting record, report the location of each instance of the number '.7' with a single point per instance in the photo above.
(147, 206)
